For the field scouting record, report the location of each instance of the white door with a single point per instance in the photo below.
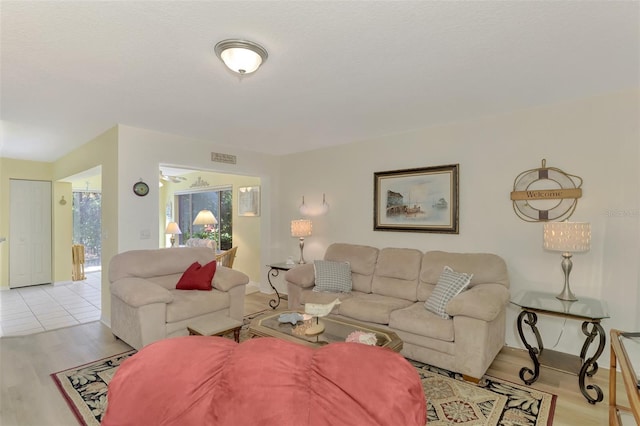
(30, 233)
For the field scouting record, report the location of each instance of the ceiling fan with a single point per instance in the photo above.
(169, 178)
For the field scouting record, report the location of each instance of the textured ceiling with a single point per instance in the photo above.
(337, 71)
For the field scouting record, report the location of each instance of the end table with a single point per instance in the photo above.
(589, 311)
(274, 271)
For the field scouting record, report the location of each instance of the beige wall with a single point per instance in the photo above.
(101, 151)
(62, 231)
(596, 139)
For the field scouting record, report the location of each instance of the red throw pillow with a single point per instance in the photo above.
(197, 277)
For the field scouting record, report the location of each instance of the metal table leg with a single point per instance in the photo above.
(274, 303)
(531, 320)
(590, 366)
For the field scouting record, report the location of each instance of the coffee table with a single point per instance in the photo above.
(336, 330)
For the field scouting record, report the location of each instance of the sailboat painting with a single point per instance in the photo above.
(417, 200)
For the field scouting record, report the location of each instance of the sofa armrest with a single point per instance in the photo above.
(227, 278)
(303, 276)
(483, 302)
(138, 292)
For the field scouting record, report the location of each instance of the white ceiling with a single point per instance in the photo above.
(337, 71)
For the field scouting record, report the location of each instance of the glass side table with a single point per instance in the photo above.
(589, 311)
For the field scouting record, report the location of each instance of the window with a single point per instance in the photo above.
(219, 202)
(87, 225)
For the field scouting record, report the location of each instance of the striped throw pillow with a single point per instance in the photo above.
(334, 277)
(449, 285)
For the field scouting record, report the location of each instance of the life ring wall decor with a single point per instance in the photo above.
(559, 203)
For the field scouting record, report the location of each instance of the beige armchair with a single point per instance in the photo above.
(145, 305)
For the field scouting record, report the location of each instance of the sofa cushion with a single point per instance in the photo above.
(417, 320)
(397, 272)
(334, 277)
(197, 277)
(485, 267)
(372, 307)
(310, 296)
(449, 285)
(190, 304)
(362, 260)
(157, 262)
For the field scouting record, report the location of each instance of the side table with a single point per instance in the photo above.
(589, 311)
(274, 271)
(625, 348)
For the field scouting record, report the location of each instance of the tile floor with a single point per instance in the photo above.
(33, 309)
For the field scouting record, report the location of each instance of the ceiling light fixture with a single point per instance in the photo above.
(241, 56)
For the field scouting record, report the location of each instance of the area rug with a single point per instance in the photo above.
(453, 401)
(450, 400)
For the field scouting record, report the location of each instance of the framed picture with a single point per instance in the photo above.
(249, 201)
(416, 200)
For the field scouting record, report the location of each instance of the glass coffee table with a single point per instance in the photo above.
(336, 330)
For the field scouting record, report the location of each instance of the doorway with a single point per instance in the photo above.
(86, 189)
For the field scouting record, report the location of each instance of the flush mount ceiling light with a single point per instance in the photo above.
(241, 56)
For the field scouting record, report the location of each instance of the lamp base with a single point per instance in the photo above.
(301, 261)
(173, 241)
(566, 293)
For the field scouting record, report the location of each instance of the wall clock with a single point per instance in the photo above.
(140, 189)
(545, 194)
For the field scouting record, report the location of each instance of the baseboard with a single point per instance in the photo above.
(252, 287)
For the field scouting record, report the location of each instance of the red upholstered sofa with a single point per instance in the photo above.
(200, 380)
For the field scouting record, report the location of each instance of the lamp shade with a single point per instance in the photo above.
(205, 217)
(173, 228)
(241, 56)
(570, 237)
(300, 228)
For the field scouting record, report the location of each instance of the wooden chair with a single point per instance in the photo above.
(227, 258)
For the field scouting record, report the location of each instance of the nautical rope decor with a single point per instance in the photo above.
(534, 204)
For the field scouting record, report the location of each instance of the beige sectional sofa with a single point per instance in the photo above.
(145, 304)
(390, 287)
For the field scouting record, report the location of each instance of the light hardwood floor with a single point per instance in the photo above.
(28, 395)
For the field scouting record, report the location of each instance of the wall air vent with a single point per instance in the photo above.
(218, 157)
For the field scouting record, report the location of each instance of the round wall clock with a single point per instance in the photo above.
(140, 189)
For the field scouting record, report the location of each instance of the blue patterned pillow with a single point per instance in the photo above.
(449, 285)
(334, 277)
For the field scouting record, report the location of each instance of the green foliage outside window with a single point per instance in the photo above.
(220, 203)
(87, 225)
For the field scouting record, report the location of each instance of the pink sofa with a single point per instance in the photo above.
(200, 380)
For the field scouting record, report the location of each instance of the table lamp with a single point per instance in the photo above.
(173, 229)
(568, 238)
(301, 228)
(206, 218)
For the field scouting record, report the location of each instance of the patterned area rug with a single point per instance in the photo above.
(450, 400)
